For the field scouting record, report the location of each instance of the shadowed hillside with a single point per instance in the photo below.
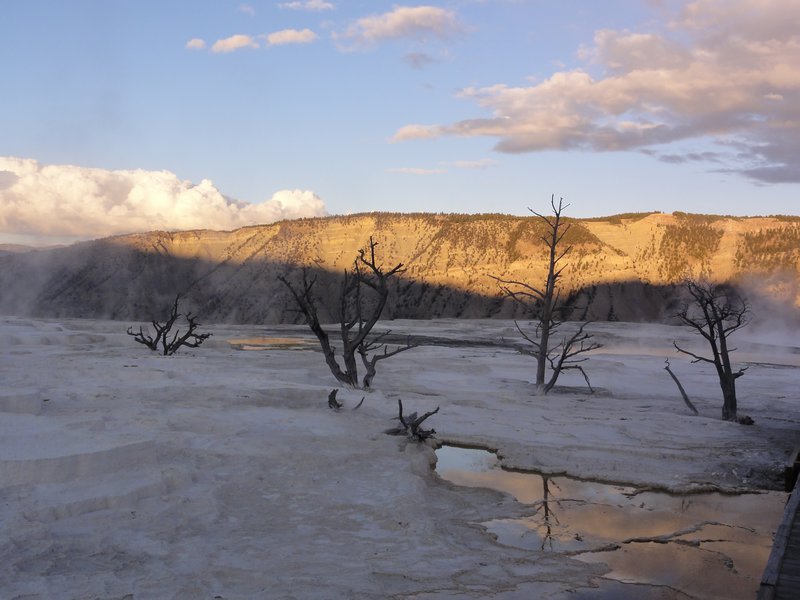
(14, 249)
(628, 265)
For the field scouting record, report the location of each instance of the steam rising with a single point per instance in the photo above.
(66, 200)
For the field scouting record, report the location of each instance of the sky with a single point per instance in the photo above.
(129, 115)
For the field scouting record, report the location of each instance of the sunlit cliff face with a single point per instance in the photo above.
(628, 265)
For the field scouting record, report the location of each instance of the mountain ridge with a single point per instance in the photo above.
(232, 275)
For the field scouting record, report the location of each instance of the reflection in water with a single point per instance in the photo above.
(547, 514)
(705, 545)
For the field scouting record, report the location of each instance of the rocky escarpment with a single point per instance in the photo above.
(628, 266)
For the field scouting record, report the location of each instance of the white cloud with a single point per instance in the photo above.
(481, 163)
(290, 36)
(722, 71)
(235, 42)
(195, 44)
(310, 5)
(403, 22)
(246, 9)
(417, 132)
(71, 201)
(416, 171)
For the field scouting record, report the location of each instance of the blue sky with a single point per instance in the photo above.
(187, 113)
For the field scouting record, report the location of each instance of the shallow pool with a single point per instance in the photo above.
(268, 343)
(705, 545)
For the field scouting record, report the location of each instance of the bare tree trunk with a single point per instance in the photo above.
(307, 307)
(727, 378)
(556, 233)
(357, 316)
(729, 412)
(370, 374)
(543, 302)
(541, 357)
(717, 312)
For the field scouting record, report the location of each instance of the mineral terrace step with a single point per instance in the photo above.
(122, 490)
(30, 404)
(28, 463)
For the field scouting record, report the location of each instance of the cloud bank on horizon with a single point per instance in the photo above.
(725, 72)
(83, 203)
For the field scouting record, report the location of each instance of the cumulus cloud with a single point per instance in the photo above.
(233, 43)
(7, 179)
(402, 22)
(71, 201)
(246, 9)
(720, 71)
(290, 36)
(195, 44)
(309, 5)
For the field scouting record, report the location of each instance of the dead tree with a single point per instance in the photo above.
(684, 395)
(363, 295)
(335, 405)
(410, 426)
(166, 341)
(545, 303)
(715, 312)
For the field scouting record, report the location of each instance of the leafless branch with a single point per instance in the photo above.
(545, 303)
(410, 426)
(363, 295)
(684, 395)
(696, 357)
(190, 339)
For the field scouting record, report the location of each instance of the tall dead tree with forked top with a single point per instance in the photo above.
(545, 303)
(715, 312)
(363, 294)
